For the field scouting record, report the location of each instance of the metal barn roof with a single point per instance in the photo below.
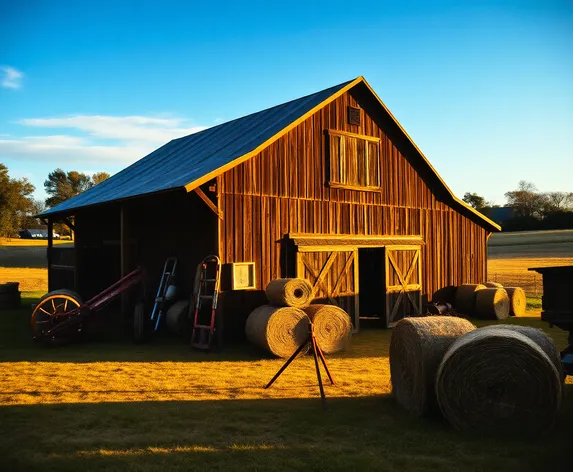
(185, 160)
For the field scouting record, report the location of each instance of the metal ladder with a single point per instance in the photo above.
(207, 292)
(167, 278)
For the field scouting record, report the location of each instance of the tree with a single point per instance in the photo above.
(526, 200)
(15, 202)
(60, 185)
(557, 201)
(475, 201)
(36, 207)
(99, 177)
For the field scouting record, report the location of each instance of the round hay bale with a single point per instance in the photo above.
(492, 304)
(445, 294)
(517, 301)
(279, 330)
(296, 293)
(416, 350)
(540, 338)
(332, 327)
(498, 381)
(493, 285)
(466, 297)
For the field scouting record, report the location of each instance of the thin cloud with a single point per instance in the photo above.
(11, 77)
(105, 140)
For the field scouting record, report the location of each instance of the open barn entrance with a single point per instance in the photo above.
(371, 286)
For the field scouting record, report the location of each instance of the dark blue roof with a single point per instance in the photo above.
(192, 157)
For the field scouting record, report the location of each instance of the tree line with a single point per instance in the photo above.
(18, 206)
(528, 208)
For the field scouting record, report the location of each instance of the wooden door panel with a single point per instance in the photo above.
(333, 276)
(403, 283)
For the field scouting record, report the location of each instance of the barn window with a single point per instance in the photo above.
(354, 160)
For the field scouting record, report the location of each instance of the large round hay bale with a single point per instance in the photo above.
(332, 327)
(540, 338)
(466, 297)
(416, 350)
(517, 301)
(445, 294)
(289, 292)
(492, 304)
(279, 330)
(493, 285)
(498, 381)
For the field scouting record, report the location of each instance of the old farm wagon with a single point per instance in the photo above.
(328, 187)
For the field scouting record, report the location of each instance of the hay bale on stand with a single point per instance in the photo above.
(279, 330)
(332, 327)
(416, 350)
(492, 304)
(493, 285)
(466, 297)
(295, 293)
(498, 381)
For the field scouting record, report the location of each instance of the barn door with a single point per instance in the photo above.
(403, 283)
(333, 275)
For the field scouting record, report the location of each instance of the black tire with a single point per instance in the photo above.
(176, 317)
(140, 324)
(62, 291)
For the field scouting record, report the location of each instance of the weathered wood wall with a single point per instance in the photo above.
(283, 190)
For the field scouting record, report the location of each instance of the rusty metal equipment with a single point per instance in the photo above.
(165, 291)
(557, 305)
(207, 283)
(317, 354)
(59, 315)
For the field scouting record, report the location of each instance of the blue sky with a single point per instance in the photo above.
(484, 88)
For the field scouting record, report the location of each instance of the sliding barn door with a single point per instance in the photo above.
(333, 275)
(403, 283)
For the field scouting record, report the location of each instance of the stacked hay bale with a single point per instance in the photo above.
(491, 304)
(517, 301)
(282, 326)
(465, 301)
(332, 327)
(500, 379)
(417, 347)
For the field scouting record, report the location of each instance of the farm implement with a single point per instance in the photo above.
(60, 314)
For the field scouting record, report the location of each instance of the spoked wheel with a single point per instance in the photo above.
(140, 325)
(50, 310)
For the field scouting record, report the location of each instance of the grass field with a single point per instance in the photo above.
(118, 406)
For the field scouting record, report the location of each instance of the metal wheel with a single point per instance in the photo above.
(50, 308)
(140, 328)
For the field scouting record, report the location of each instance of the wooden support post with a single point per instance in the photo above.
(49, 251)
(209, 203)
(123, 260)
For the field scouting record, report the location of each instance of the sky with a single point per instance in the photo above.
(485, 89)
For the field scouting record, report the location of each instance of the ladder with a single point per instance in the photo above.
(167, 279)
(208, 274)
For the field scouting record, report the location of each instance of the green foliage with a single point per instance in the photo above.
(61, 185)
(475, 201)
(15, 202)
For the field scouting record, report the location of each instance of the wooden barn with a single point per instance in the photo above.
(328, 187)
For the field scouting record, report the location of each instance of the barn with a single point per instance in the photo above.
(328, 187)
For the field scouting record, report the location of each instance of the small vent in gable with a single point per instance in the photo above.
(353, 116)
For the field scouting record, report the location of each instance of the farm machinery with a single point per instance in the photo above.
(557, 305)
(60, 315)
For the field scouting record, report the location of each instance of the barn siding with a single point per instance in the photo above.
(282, 190)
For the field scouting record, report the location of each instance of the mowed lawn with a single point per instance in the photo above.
(118, 406)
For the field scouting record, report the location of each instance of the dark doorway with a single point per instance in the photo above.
(371, 286)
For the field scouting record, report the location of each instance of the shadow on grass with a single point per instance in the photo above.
(364, 433)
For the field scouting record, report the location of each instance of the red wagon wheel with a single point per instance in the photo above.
(57, 302)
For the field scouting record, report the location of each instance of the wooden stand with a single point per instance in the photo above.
(317, 353)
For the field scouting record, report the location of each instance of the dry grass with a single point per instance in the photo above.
(30, 279)
(14, 242)
(117, 406)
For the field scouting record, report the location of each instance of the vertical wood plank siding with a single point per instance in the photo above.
(283, 190)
